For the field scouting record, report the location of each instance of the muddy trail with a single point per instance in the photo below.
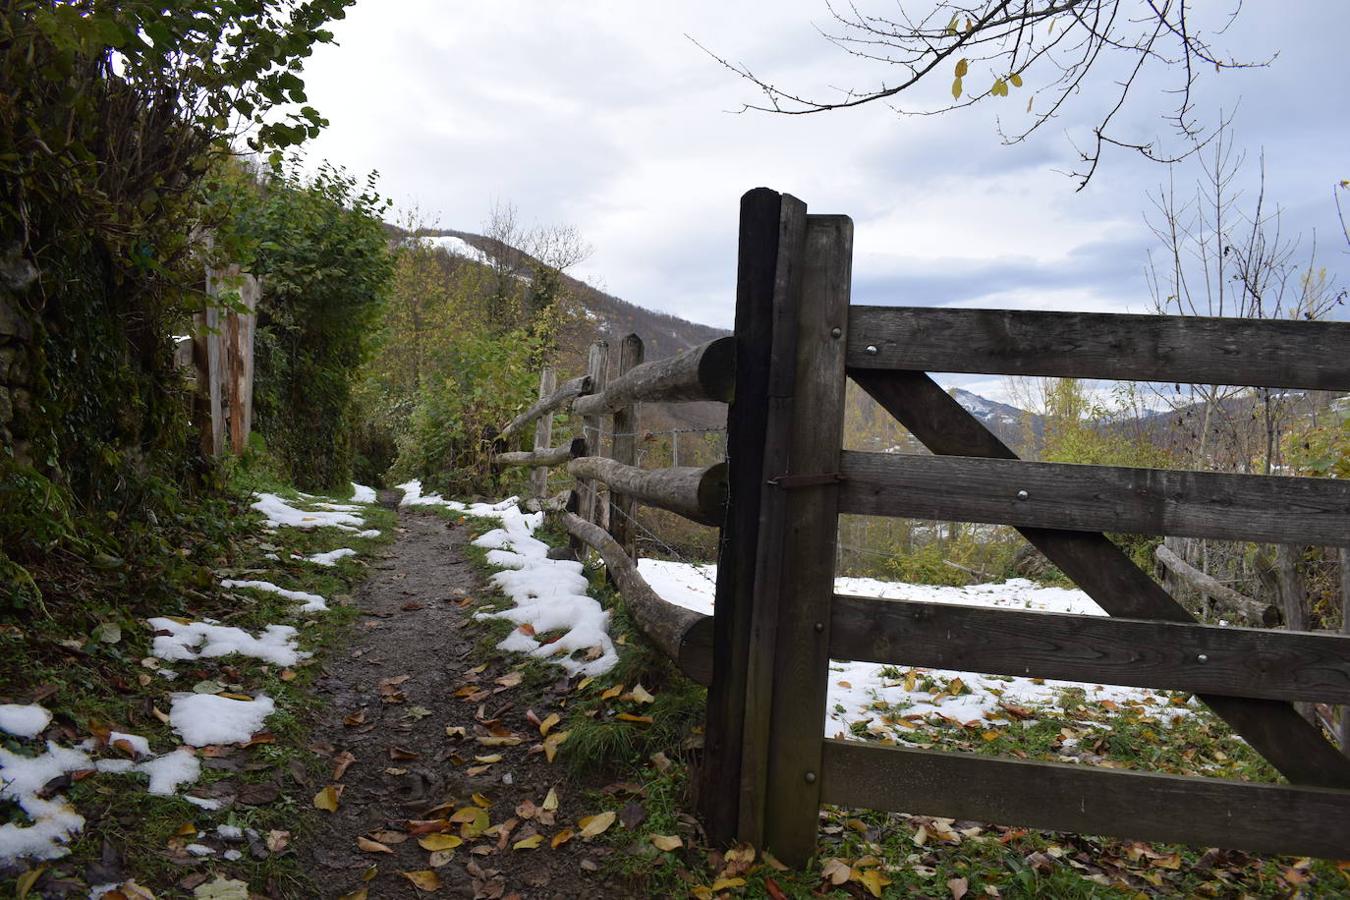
(418, 736)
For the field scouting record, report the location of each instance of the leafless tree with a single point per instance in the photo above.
(1049, 48)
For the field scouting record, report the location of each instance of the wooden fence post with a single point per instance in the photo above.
(623, 509)
(595, 367)
(239, 348)
(543, 433)
(772, 227)
(206, 356)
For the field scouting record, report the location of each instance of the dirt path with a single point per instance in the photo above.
(390, 699)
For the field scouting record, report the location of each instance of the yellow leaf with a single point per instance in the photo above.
(561, 838)
(549, 721)
(480, 800)
(585, 683)
(489, 759)
(436, 842)
(327, 799)
(612, 692)
(552, 742)
(551, 801)
(1000, 89)
(723, 884)
(592, 826)
(530, 843)
(639, 694)
(951, 26)
(467, 814)
(702, 892)
(370, 873)
(990, 735)
(874, 881)
(962, 67)
(667, 842)
(629, 717)
(956, 89)
(25, 882)
(423, 880)
(1015, 79)
(772, 862)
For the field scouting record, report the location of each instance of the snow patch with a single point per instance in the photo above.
(280, 513)
(54, 822)
(331, 557)
(310, 602)
(23, 720)
(413, 496)
(202, 719)
(171, 770)
(549, 595)
(207, 640)
(362, 494)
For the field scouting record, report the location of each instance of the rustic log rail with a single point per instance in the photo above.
(551, 456)
(697, 493)
(767, 768)
(705, 372)
(559, 399)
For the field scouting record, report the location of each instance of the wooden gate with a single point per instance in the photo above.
(778, 622)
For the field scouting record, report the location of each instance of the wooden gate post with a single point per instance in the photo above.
(209, 416)
(772, 231)
(239, 350)
(622, 509)
(543, 433)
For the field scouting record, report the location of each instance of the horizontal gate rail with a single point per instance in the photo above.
(1291, 743)
(1098, 498)
(705, 372)
(1186, 349)
(1209, 812)
(1202, 659)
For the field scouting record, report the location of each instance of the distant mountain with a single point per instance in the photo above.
(1010, 423)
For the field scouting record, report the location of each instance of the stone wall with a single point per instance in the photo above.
(16, 358)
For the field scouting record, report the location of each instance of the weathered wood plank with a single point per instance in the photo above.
(549, 456)
(806, 555)
(209, 411)
(664, 623)
(1219, 505)
(543, 431)
(1187, 349)
(1202, 659)
(623, 508)
(697, 493)
(554, 401)
(705, 372)
(780, 364)
(1274, 728)
(1205, 812)
(762, 223)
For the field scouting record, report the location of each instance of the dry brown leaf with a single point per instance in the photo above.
(370, 846)
(835, 871)
(551, 801)
(639, 694)
(341, 763)
(666, 842)
(389, 837)
(561, 838)
(423, 879)
(959, 887)
(277, 840)
(629, 717)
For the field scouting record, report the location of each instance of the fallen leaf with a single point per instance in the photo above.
(480, 800)
(440, 842)
(612, 692)
(592, 826)
(550, 801)
(959, 887)
(327, 799)
(549, 721)
(561, 838)
(723, 884)
(639, 694)
(835, 871)
(370, 846)
(356, 718)
(358, 894)
(553, 742)
(389, 837)
(423, 879)
(25, 882)
(277, 840)
(661, 761)
(341, 763)
(401, 753)
(439, 858)
(510, 679)
(489, 759)
(873, 880)
(667, 842)
(530, 843)
(629, 717)
(632, 815)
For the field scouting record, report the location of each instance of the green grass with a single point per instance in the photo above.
(100, 685)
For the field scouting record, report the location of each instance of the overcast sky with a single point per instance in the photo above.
(605, 116)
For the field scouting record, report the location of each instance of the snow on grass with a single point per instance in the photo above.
(23, 720)
(177, 640)
(362, 494)
(330, 558)
(279, 513)
(202, 719)
(53, 822)
(413, 496)
(455, 246)
(310, 602)
(549, 595)
(858, 689)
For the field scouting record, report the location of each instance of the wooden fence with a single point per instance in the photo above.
(222, 354)
(765, 653)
